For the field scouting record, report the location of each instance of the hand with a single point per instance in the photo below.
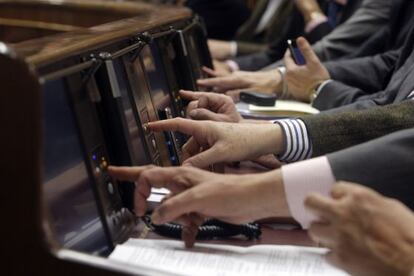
(221, 69)
(302, 79)
(359, 224)
(262, 81)
(211, 106)
(220, 50)
(309, 9)
(197, 195)
(216, 142)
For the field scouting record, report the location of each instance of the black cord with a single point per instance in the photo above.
(211, 229)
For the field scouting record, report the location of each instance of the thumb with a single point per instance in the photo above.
(307, 50)
(205, 158)
(204, 114)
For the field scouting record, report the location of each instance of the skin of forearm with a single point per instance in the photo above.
(278, 144)
(271, 139)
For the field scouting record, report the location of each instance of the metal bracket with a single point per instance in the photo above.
(96, 63)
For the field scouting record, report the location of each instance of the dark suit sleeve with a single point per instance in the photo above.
(293, 27)
(318, 32)
(368, 73)
(336, 94)
(216, 15)
(385, 165)
(361, 79)
(347, 129)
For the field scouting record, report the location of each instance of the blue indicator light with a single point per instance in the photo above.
(94, 157)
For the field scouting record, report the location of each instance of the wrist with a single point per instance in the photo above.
(273, 141)
(273, 195)
(313, 15)
(276, 81)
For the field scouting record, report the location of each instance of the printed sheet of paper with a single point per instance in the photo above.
(205, 259)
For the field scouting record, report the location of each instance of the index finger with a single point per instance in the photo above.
(306, 50)
(210, 72)
(216, 81)
(185, 126)
(155, 178)
(130, 174)
(192, 95)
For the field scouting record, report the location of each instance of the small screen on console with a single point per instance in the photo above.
(151, 57)
(67, 184)
(195, 55)
(132, 124)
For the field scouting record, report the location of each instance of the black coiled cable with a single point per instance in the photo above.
(211, 229)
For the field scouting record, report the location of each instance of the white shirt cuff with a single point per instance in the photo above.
(320, 88)
(302, 178)
(233, 48)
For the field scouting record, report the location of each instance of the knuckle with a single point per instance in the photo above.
(179, 120)
(145, 176)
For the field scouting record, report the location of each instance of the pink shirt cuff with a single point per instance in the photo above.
(315, 23)
(302, 178)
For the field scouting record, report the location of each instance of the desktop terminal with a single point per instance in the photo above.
(75, 171)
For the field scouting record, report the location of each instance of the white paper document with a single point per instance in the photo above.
(286, 106)
(171, 257)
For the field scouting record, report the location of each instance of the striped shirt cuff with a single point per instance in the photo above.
(298, 145)
(411, 96)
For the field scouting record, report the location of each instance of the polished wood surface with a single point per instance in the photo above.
(52, 48)
(72, 12)
(14, 32)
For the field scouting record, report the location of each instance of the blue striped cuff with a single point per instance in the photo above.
(298, 145)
